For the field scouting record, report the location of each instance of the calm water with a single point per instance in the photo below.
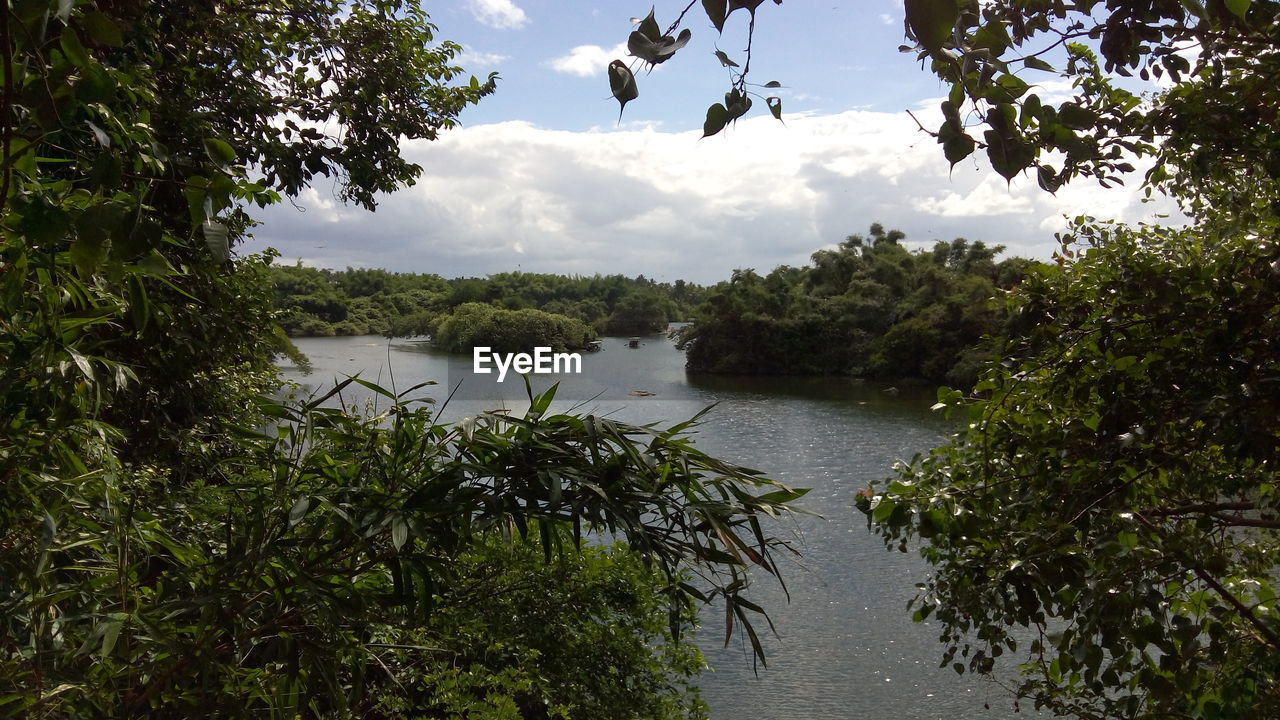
(845, 647)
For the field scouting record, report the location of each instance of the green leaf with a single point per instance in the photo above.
(1238, 7)
(883, 509)
(73, 49)
(399, 532)
(717, 118)
(102, 29)
(775, 106)
(1036, 63)
(1075, 117)
(216, 239)
(221, 153)
(299, 510)
(931, 21)
(773, 84)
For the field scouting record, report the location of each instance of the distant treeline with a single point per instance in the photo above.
(318, 302)
(868, 308)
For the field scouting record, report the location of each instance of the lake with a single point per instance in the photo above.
(846, 647)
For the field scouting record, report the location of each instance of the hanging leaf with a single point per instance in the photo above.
(725, 60)
(775, 106)
(215, 236)
(622, 84)
(717, 11)
(659, 50)
(717, 118)
(222, 154)
(773, 84)
(931, 21)
(749, 5)
(736, 103)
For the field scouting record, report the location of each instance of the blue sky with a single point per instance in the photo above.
(543, 178)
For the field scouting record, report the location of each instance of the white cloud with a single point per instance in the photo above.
(500, 14)
(671, 205)
(477, 61)
(588, 60)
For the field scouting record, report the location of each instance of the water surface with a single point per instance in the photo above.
(846, 648)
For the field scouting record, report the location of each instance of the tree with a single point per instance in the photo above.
(1112, 509)
(174, 542)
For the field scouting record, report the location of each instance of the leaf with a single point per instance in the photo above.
(299, 510)
(717, 11)
(725, 60)
(102, 29)
(883, 510)
(73, 49)
(1036, 63)
(622, 84)
(215, 237)
(1238, 7)
(1075, 117)
(110, 632)
(399, 532)
(775, 106)
(221, 153)
(773, 84)
(99, 134)
(717, 118)
(656, 51)
(931, 21)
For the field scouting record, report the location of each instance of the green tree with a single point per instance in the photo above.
(173, 543)
(1115, 489)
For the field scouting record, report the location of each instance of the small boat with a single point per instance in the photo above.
(595, 346)
(641, 393)
(633, 342)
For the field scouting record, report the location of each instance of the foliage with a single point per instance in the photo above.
(282, 581)
(365, 301)
(505, 640)
(159, 555)
(640, 313)
(868, 307)
(479, 325)
(1114, 489)
(651, 46)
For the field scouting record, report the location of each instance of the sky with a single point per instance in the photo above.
(543, 176)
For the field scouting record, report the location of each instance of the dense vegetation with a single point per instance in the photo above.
(479, 325)
(317, 302)
(1107, 517)
(173, 542)
(867, 308)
